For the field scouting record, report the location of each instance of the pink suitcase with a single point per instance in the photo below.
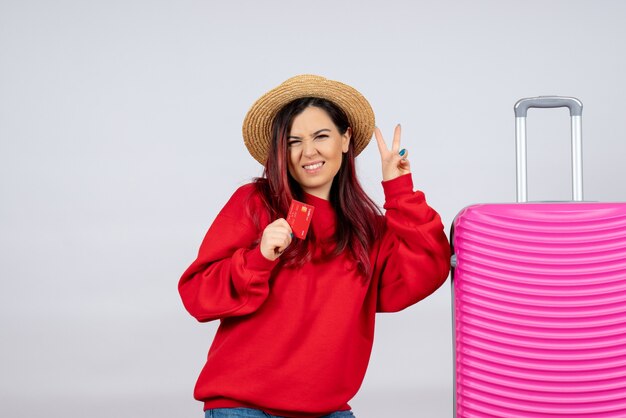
(539, 299)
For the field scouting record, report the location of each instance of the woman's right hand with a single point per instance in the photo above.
(275, 239)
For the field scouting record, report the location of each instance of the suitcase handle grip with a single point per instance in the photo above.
(574, 105)
(575, 110)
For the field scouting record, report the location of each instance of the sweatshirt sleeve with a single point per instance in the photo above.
(414, 255)
(229, 276)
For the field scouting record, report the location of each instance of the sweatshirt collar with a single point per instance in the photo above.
(318, 202)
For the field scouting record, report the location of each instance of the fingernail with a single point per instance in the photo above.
(402, 152)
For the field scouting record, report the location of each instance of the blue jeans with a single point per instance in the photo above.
(255, 413)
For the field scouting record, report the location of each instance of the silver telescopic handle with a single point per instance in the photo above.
(575, 110)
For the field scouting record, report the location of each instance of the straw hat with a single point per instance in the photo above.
(257, 125)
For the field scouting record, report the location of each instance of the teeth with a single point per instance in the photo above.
(312, 166)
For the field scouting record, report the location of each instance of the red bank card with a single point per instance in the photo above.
(299, 218)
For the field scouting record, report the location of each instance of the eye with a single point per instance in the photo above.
(293, 143)
(321, 137)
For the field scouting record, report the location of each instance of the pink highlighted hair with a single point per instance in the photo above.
(358, 218)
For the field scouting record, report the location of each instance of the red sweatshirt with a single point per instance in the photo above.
(295, 341)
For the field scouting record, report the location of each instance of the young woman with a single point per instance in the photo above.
(297, 315)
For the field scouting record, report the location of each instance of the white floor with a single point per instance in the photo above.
(417, 403)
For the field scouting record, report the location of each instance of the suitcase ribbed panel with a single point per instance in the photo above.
(540, 310)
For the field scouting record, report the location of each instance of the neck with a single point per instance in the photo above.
(321, 192)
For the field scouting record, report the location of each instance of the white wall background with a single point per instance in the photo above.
(120, 141)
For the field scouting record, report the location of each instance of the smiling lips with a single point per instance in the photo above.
(313, 168)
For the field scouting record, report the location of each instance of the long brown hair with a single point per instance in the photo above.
(358, 221)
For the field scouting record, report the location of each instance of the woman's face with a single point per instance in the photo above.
(315, 149)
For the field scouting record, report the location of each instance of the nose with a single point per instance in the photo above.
(308, 149)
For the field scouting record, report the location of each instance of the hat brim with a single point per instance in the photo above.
(257, 125)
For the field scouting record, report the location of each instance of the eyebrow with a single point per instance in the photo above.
(314, 134)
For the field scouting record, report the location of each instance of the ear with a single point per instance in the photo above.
(345, 140)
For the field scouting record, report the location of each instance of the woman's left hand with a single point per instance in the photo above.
(394, 161)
